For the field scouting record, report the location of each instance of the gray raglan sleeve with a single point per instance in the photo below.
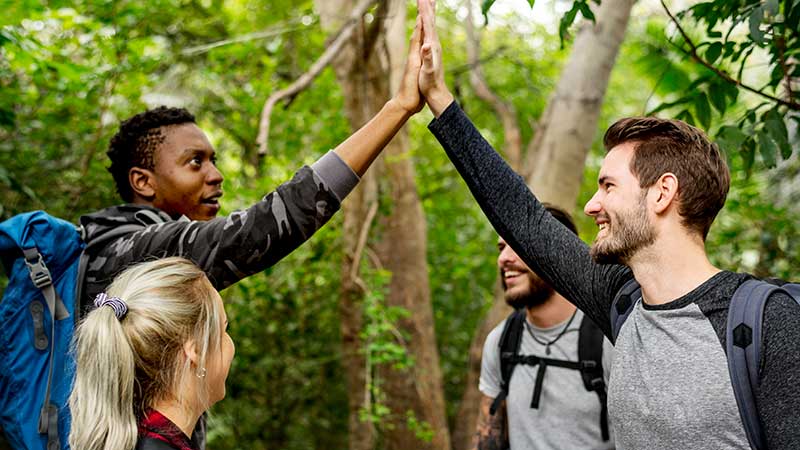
(778, 396)
(246, 242)
(546, 245)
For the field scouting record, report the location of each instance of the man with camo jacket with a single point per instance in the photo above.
(164, 169)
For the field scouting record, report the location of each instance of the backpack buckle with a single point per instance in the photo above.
(597, 383)
(39, 273)
(588, 364)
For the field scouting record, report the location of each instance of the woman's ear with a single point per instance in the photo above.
(142, 183)
(190, 352)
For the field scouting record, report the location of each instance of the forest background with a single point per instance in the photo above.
(369, 336)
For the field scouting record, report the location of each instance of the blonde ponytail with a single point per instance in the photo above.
(126, 365)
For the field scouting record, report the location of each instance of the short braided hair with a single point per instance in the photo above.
(135, 143)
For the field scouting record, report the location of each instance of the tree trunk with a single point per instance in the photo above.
(369, 70)
(555, 156)
(569, 123)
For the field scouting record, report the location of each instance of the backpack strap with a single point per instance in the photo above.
(743, 346)
(623, 305)
(41, 278)
(510, 340)
(590, 354)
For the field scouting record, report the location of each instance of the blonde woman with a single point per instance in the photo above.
(151, 358)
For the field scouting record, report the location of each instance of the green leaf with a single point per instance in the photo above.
(7, 117)
(771, 7)
(767, 149)
(664, 106)
(776, 127)
(730, 138)
(793, 17)
(703, 110)
(531, 2)
(686, 116)
(756, 16)
(586, 11)
(485, 6)
(566, 21)
(716, 94)
(748, 153)
(713, 52)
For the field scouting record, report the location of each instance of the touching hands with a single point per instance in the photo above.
(431, 74)
(408, 95)
(423, 78)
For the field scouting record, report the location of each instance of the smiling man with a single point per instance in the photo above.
(660, 187)
(544, 329)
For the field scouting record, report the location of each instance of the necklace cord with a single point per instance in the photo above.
(561, 333)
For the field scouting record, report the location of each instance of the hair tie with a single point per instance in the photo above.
(115, 303)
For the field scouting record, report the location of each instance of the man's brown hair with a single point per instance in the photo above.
(663, 145)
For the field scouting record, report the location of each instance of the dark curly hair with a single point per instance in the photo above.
(135, 143)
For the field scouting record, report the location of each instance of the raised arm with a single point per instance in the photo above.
(360, 149)
(548, 248)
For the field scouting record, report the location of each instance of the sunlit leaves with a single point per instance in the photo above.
(566, 21)
(772, 35)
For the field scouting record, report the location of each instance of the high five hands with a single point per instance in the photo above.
(431, 75)
(423, 78)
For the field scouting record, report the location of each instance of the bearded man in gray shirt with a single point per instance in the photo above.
(567, 415)
(661, 185)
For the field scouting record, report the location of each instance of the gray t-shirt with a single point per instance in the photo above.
(568, 416)
(669, 387)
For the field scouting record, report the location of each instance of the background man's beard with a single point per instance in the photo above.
(537, 293)
(631, 232)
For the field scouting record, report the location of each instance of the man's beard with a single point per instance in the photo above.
(628, 233)
(537, 293)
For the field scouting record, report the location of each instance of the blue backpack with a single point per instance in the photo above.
(45, 260)
(742, 341)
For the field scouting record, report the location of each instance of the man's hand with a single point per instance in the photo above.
(408, 96)
(431, 76)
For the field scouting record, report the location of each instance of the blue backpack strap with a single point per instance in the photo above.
(623, 304)
(743, 346)
(40, 275)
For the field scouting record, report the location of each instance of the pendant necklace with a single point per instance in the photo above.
(548, 344)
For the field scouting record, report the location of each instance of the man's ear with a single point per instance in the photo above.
(665, 192)
(142, 183)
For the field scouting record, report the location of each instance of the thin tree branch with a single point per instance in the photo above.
(781, 44)
(693, 53)
(307, 78)
(275, 31)
(498, 52)
(505, 110)
(362, 242)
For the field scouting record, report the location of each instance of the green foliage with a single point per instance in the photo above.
(69, 71)
(712, 34)
(566, 21)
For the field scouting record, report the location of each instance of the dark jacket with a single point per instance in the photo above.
(227, 248)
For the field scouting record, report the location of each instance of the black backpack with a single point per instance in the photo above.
(590, 363)
(743, 341)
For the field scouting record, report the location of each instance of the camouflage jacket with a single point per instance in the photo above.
(226, 248)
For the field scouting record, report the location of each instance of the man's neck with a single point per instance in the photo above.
(671, 268)
(553, 311)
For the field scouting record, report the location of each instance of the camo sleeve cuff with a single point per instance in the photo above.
(336, 174)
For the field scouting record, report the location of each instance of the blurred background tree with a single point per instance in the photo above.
(70, 71)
